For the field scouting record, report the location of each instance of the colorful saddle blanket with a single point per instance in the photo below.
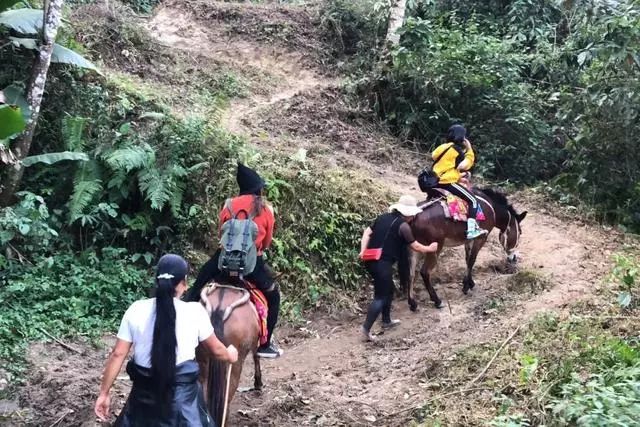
(454, 207)
(260, 302)
(457, 209)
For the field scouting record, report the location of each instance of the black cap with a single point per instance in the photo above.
(172, 267)
(457, 134)
(248, 180)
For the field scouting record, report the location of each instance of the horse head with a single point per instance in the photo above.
(510, 235)
(507, 221)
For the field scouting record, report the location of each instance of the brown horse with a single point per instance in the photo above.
(235, 322)
(431, 225)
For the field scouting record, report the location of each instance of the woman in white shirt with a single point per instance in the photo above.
(165, 332)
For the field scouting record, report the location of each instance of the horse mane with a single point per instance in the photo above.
(499, 198)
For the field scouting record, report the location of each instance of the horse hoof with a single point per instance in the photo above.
(439, 304)
(472, 285)
(465, 290)
(413, 305)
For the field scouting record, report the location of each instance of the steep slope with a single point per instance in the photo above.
(327, 376)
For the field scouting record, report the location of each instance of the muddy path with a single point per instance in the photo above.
(327, 376)
(331, 378)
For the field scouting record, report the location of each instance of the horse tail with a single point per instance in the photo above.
(217, 381)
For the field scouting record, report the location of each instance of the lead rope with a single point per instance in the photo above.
(226, 396)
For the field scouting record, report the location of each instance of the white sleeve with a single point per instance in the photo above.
(205, 329)
(124, 333)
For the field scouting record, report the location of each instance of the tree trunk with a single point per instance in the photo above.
(396, 19)
(13, 173)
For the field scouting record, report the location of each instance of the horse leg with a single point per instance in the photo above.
(236, 372)
(429, 264)
(413, 262)
(404, 265)
(471, 250)
(202, 357)
(257, 376)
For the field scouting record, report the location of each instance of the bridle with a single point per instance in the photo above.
(504, 238)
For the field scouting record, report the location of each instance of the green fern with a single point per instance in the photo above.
(154, 187)
(130, 158)
(86, 186)
(162, 187)
(179, 184)
(72, 129)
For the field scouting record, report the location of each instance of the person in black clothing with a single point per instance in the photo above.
(392, 233)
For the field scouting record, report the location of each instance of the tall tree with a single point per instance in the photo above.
(396, 19)
(52, 17)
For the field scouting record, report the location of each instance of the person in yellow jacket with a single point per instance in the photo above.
(452, 160)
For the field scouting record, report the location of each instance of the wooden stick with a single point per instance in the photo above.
(440, 396)
(605, 317)
(481, 374)
(56, 422)
(444, 290)
(226, 396)
(67, 346)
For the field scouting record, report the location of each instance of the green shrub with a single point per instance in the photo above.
(610, 396)
(66, 294)
(27, 225)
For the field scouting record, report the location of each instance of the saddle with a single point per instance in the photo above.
(250, 294)
(454, 207)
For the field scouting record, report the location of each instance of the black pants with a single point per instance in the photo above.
(464, 194)
(382, 273)
(260, 277)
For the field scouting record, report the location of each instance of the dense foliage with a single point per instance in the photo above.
(548, 89)
(78, 242)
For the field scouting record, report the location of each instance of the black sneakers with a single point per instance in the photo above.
(269, 351)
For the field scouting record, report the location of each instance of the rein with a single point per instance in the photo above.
(229, 309)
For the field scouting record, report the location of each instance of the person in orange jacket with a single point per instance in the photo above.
(251, 199)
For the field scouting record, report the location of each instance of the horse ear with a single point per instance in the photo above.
(521, 216)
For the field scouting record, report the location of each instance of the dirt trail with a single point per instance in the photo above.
(333, 379)
(327, 376)
(285, 69)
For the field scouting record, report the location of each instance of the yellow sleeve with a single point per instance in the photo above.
(439, 149)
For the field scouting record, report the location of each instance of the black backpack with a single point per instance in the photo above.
(427, 178)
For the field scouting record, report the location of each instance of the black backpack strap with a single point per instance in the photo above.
(442, 155)
(388, 230)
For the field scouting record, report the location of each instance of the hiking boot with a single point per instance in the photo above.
(473, 234)
(367, 335)
(269, 351)
(392, 324)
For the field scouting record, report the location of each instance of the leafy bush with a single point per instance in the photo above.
(444, 72)
(625, 276)
(547, 89)
(355, 27)
(66, 294)
(27, 225)
(601, 400)
(608, 397)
